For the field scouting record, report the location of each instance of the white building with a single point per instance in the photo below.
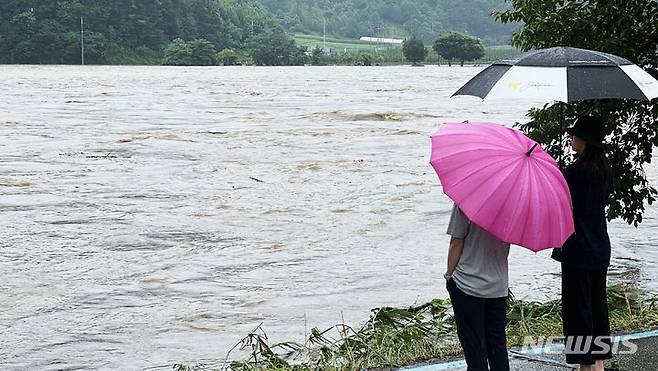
(381, 40)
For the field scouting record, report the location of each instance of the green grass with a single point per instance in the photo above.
(312, 41)
(139, 56)
(395, 337)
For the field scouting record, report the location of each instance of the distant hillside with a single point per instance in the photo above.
(393, 18)
(121, 31)
(137, 32)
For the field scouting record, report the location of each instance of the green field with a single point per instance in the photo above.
(312, 41)
(393, 54)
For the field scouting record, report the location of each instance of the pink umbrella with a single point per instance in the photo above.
(505, 183)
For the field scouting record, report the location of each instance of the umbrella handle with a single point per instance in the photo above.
(531, 149)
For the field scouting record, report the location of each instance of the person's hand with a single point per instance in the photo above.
(447, 276)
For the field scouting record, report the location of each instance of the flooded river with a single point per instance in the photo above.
(157, 215)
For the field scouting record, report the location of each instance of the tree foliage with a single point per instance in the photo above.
(628, 28)
(318, 57)
(227, 57)
(33, 31)
(458, 46)
(414, 50)
(275, 48)
(198, 52)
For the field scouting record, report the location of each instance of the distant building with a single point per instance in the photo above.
(381, 40)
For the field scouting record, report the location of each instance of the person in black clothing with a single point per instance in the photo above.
(585, 256)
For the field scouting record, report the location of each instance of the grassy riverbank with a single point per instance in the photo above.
(396, 337)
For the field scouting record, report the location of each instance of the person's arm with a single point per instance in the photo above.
(457, 229)
(454, 253)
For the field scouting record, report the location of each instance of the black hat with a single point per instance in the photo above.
(590, 129)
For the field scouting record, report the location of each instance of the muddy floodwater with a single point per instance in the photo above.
(156, 215)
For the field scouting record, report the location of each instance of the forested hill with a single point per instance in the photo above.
(118, 31)
(393, 18)
(138, 31)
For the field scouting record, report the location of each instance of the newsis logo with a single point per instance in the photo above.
(577, 345)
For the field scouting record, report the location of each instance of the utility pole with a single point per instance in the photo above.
(324, 34)
(379, 33)
(82, 39)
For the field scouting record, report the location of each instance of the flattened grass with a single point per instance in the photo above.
(394, 337)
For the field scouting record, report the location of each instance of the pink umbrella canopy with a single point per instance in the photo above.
(505, 183)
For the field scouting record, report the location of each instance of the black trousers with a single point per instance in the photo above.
(585, 318)
(481, 329)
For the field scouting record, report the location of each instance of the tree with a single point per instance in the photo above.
(318, 57)
(227, 57)
(178, 53)
(414, 50)
(459, 46)
(275, 48)
(195, 53)
(628, 28)
(203, 53)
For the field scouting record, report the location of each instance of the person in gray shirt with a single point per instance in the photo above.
(477, 282)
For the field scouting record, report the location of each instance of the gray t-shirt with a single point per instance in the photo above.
(482, 268)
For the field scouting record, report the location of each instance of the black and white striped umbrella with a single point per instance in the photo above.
(562, 74)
